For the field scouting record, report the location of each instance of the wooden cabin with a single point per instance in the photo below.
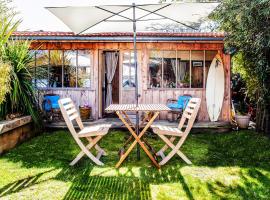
(170, 64)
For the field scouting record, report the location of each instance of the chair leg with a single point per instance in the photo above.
(86, 151)
(175, 149)
(97, 147)
(165, 147)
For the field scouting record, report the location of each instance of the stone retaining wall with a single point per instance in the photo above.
(14, 132)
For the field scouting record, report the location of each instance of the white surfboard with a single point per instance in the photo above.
(215, 88)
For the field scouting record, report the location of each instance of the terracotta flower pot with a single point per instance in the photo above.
(85, 112)
(242, 121)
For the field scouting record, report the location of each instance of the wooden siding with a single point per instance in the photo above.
(93, 95)
(80, 97)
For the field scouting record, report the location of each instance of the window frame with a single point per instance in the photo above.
(190, 69)
(122, 69)
(63, 64)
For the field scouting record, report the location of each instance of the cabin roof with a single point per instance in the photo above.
(119, 36)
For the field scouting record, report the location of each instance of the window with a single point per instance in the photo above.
(155, 69)
(128, 73)
(42, 66)
(169, 69)
(58, 68)
(197, 64)
(84, 62)
(183, 67)
(70, 63)
(179, 69)
(56, 61)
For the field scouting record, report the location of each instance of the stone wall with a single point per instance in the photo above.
(14, 132)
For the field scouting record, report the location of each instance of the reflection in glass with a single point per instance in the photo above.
(55, 69)
(84, 77)
(155, 69)
(70, 64)
(183, 67)
(128, 74)
(84, 59)
(32, 66)
(41, 72)
(197, 62)
(169, 69)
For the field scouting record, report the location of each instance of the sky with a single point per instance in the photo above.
(36, 17)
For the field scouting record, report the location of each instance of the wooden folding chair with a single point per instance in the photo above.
(93, 133)
(188, 117)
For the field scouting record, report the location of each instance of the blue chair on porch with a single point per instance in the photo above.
(51, 102)
(177, 106)
(51, 107)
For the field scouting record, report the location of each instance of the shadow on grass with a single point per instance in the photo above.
(17, 186)
(255, 185)
(243, 149)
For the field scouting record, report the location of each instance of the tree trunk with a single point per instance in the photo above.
(267, 120)
(259, 116)
(267, 99)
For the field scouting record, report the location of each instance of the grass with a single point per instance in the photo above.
(235, 165)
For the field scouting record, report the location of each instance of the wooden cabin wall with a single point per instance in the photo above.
(148, 95)
(80, 97)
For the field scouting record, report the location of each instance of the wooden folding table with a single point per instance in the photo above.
(122, 109)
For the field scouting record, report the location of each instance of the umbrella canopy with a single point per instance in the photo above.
(106, 18)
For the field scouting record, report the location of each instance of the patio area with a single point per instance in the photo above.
(231, 165)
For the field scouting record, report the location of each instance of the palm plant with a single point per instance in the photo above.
(21, 98)
(7, 24)
(5, 69)
(7, 27)
(17, 92)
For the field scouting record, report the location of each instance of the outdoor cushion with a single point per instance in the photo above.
(51, 102)
(181, 102)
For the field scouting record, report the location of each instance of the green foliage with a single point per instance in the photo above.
(17, 93)
(247, 24)
(7, 23)
(239, 67)
(21, 98)
(5, 69)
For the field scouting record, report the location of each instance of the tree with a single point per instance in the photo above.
(247, 27)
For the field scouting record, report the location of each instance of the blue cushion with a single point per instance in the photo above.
(181, 103)
(174, 106)
(51, 102)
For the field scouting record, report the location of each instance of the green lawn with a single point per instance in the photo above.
(235, 165)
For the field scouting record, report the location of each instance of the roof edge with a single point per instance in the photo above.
(118, 36)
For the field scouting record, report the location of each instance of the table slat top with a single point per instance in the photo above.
(140, 107)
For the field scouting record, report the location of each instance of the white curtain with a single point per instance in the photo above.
(181, 69)
(111, 59)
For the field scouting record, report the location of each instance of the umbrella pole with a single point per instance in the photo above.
(136, 76)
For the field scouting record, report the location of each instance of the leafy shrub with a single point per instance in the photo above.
(5, 69)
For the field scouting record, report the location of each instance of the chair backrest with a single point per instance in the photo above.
(190, 114)
(70, 113)
(183, 101)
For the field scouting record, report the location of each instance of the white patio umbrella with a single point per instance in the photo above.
(107, 18)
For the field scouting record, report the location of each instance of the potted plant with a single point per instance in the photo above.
(242, 116)
(85, 112)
